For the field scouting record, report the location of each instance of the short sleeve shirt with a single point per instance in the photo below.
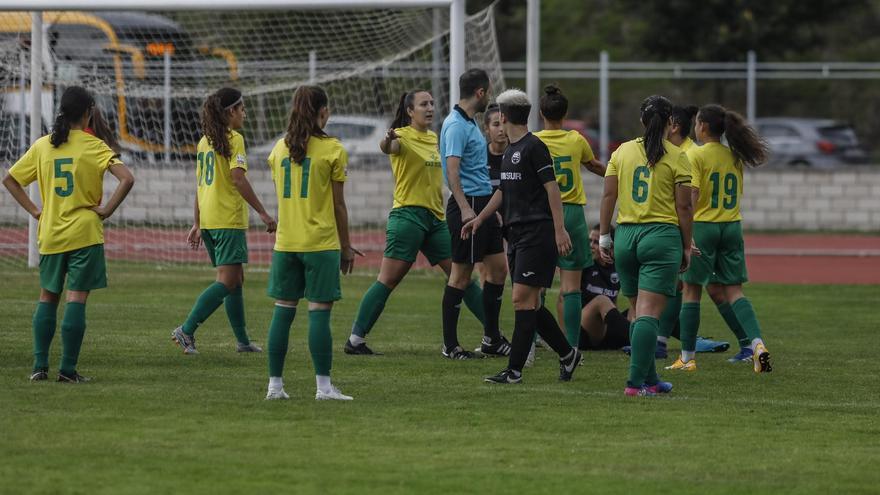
(526, 167)
(461, 136)
(220, 204)
(719, 177)
(569, 150)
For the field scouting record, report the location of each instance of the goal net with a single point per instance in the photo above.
(150, 72)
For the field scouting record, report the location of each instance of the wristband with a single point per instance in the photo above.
(605, 241)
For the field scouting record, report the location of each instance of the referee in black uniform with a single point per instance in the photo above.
(532, 211)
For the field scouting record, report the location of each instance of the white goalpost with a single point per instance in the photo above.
(151, 63)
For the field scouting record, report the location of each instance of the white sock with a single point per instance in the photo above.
(276, 383)
(688, 355)
(755, 343)
(323, 382)
(661, 339)
(356, 339)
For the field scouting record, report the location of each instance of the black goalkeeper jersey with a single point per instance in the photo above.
(525, 168)
(599, 280)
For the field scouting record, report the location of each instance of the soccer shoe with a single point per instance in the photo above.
(457, 353)
(659, 388)
(709, 345)
(566, 368)
(762, 359)
(660, 353)
(499, 348)
(360, 349)
(642, 391)
(186, 342)
(530, 359)
(279, 394)
(332, 394)
(680, 365)
(743, 356)
(239, 347)
(40, 375)
(504, 377)
(74, 378)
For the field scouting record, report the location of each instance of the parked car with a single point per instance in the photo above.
(360, 135)
(821, 143)
(591, 134)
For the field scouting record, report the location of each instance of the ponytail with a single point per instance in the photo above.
(745, 144)
(215, 119)
(656, 111)
(76, 101)
(102, 130)
(683, 117)
(407, 102)
(303, 123)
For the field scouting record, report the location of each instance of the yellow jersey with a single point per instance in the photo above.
(306, 218)
(687, 144)
(647, 194)
(71, 182)
(220, 204)
(719, 177)
(569, 150)
(418, 175)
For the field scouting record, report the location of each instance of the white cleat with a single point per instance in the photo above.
(332, 394)
(279, 394)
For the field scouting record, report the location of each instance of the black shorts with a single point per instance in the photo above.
(532, 254)
(616, 335)
(485, 242)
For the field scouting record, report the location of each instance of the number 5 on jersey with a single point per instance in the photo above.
(304, 177)
(66, 175)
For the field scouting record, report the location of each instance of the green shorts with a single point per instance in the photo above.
(580, 256)
(722, 259)
(648, 257)
(84, 268)
(412, 229)
(226, 246)
(313, 275)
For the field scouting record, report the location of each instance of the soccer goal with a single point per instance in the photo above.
(152, 64)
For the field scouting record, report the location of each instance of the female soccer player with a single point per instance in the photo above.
(221, 217)
(69, 167)
(308, 168)
(416, 222)
(717, 182)
(650, 178)
(497, 143)
(570, 151)
(532, 212)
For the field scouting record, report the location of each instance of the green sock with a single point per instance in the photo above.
(571, 317)
(745, 315)
(473, 299)
(234, 303)
(44, 329)
(206, 304)
(644, 343)
(669, 317)
(73, 329)
(370, 309)
(320, 341)
(726, 312)
(690, 325)
(279, 334)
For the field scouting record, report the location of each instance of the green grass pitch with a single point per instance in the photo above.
(156, 421)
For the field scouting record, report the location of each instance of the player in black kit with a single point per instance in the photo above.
(532, 211)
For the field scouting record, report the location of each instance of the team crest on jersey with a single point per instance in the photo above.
(514, 159)
(240, 159)
(615, 278)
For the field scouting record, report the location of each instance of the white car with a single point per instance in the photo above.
(360, 135)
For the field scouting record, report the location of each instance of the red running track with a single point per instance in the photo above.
(791, 259)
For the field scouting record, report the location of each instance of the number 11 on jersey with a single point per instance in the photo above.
(305, 167)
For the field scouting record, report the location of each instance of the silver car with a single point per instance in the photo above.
(820, 143)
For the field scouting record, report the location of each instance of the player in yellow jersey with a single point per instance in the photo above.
(417, 221)
(570, 151)
(69, 167)
(221, 217)
(649, 179)
(312, 243)
(717, 190)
